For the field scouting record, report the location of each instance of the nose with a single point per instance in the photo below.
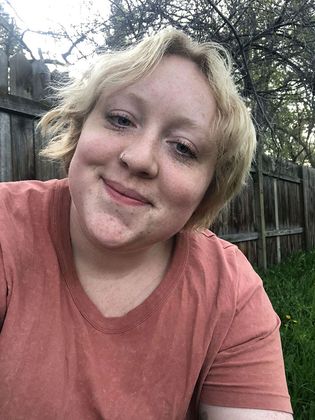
(140, 156)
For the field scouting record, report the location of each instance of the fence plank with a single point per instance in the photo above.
(23, 166)
(23, 106)
(310, 203)
(260, 214)
(5, 148)
(283, 232)
(3, 72)
(20, 76)
(275, 192)
(44, 168)
(305, 207)
(40, 80)
(240, 237)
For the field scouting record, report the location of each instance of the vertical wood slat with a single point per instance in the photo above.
(5, 127)
(3, 72)
(20, 76)
(5, 148)
(260, 213)
(305, 192)
(40, 80)
(278, 242)
(23, 165)
(44, 168)
(311, 206)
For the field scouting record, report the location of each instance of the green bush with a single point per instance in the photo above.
(291, 288)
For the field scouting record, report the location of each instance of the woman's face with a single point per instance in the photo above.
(144, 159)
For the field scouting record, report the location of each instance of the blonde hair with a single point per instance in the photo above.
(234, 130)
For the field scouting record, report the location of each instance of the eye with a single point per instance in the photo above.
(184, 151)
(119, 120)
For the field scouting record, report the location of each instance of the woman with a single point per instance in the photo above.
(116, 302)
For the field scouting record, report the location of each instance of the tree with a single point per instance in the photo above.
(9, 34)
(73, 42)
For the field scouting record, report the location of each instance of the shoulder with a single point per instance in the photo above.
(24, 196)
(27, 209)
(208, 247)
(222, 269)
(220, 258)
(21, 190)
(23, 205)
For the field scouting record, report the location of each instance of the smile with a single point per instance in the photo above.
(124, 195)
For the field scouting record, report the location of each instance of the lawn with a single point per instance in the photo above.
(291, 288)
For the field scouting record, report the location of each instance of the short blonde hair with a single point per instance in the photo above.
(234, 130)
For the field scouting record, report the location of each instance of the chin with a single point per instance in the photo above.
(113, 242)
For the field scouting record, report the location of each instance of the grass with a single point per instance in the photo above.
(291, 288)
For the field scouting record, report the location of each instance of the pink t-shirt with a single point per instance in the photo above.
(207, 333)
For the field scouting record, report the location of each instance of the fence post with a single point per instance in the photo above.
(305, 192)
(3, 72)
(5, 128)
(20, 76)
(260, 212)
(40, 80)
(22, 129)
(275, 192)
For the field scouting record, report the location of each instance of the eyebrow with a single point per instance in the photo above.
(177, 122)
(136, 99)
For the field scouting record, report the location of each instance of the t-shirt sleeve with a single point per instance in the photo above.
(248, 371)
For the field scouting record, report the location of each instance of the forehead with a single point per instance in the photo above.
(176, 89)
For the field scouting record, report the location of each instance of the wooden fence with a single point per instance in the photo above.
(273, 217)
(23, 87)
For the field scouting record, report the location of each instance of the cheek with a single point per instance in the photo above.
(79, 172)
(95, 145)
(87, 149)
(187, 195)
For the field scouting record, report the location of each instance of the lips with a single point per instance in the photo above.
(126, 192)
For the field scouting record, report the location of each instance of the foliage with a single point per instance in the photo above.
(9, 34)
(291, 288)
